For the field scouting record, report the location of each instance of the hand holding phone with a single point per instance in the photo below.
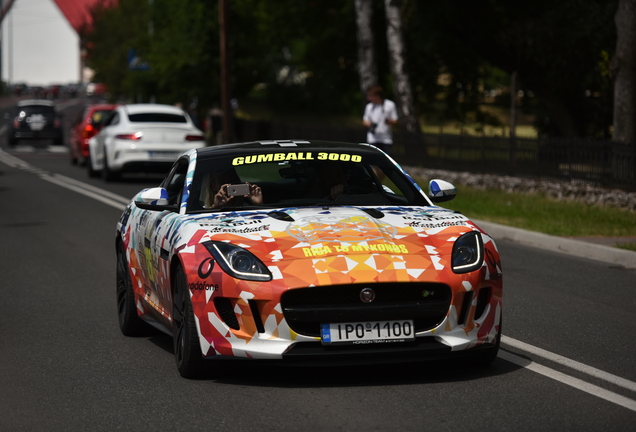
(238, 189)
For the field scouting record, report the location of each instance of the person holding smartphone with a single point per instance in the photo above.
(225, 189)
(379, 115)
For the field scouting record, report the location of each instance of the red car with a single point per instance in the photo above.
(86, 126)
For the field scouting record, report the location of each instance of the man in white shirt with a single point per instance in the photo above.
(379, 115)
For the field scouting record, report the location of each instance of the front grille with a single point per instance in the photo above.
(306, 308)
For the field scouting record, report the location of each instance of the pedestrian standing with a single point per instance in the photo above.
(379, 115)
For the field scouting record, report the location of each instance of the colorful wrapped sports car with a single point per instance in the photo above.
(305, 252)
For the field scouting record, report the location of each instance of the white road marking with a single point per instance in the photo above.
(113, 200)
(571, 381)
(24, 148)
(95, 189)
(120, 202)
(58, 149)
(55, 179)
(589, 370)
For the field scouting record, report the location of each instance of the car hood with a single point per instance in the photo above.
(296, 233)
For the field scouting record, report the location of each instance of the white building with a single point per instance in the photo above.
(39, 45)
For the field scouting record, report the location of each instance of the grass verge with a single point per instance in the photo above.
(538, 213)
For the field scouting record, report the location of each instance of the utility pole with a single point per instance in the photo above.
(225, 74)
(4, 10)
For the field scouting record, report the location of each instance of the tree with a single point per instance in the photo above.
(623, 69)
(397, 56)
(557, 49)
(367, 67)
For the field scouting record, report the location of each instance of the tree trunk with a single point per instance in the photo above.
(397, 56)
(624, 72)
(367, 68)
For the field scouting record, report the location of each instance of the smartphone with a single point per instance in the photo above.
(238, 189)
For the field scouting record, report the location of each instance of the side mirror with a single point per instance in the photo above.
(441, 190)
(154, 199)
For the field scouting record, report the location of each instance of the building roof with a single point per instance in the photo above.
(77, 12)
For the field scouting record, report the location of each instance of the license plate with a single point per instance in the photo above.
(164, 154)
(373, 332)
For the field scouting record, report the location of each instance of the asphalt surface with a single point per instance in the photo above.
(567, 358)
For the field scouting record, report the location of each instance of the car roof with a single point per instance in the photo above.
(28, 102)
(156, 108)
(285, 145)
(102, 107)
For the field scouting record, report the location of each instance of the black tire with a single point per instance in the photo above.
(187, 350)
(12, 142)
(107, 174)
(89, 168)
(129, 322)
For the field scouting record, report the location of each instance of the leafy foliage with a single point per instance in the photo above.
(300, 56)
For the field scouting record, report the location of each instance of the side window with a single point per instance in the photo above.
(175, 181)
(113, 120)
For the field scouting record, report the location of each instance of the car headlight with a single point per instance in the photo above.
(238, 262)
(468, 253)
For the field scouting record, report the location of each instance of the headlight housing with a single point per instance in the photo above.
(468, 253)
(238, 262)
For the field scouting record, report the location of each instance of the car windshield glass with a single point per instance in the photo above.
(36, 109)
(302, 178)
(156, 118)
(100, 116)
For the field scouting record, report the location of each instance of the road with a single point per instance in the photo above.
(567, 360)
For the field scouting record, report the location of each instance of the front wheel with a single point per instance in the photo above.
(187, 350)
(129, 322)
(89, 168)
(108, 174)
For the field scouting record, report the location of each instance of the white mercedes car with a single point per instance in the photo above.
(142, 138)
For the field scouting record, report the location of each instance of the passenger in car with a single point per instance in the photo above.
(217, 193)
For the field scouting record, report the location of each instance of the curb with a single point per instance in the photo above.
(619, 257)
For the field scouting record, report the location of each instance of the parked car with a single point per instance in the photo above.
(86, 126)
(142, 138)
(35, 119)
(300, 251)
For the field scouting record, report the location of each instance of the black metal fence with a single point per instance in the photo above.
(594, 162)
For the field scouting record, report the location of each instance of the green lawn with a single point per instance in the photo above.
(537, 213)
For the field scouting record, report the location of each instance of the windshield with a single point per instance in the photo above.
(300, 178)
(28, 110)
(156, 118)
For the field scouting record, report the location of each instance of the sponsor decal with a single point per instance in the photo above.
(246, 230)
(205, 268)
(430, 217)
(229, 223)
(282, 157)
(418, 224)
(378, 248)
(203, 286)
